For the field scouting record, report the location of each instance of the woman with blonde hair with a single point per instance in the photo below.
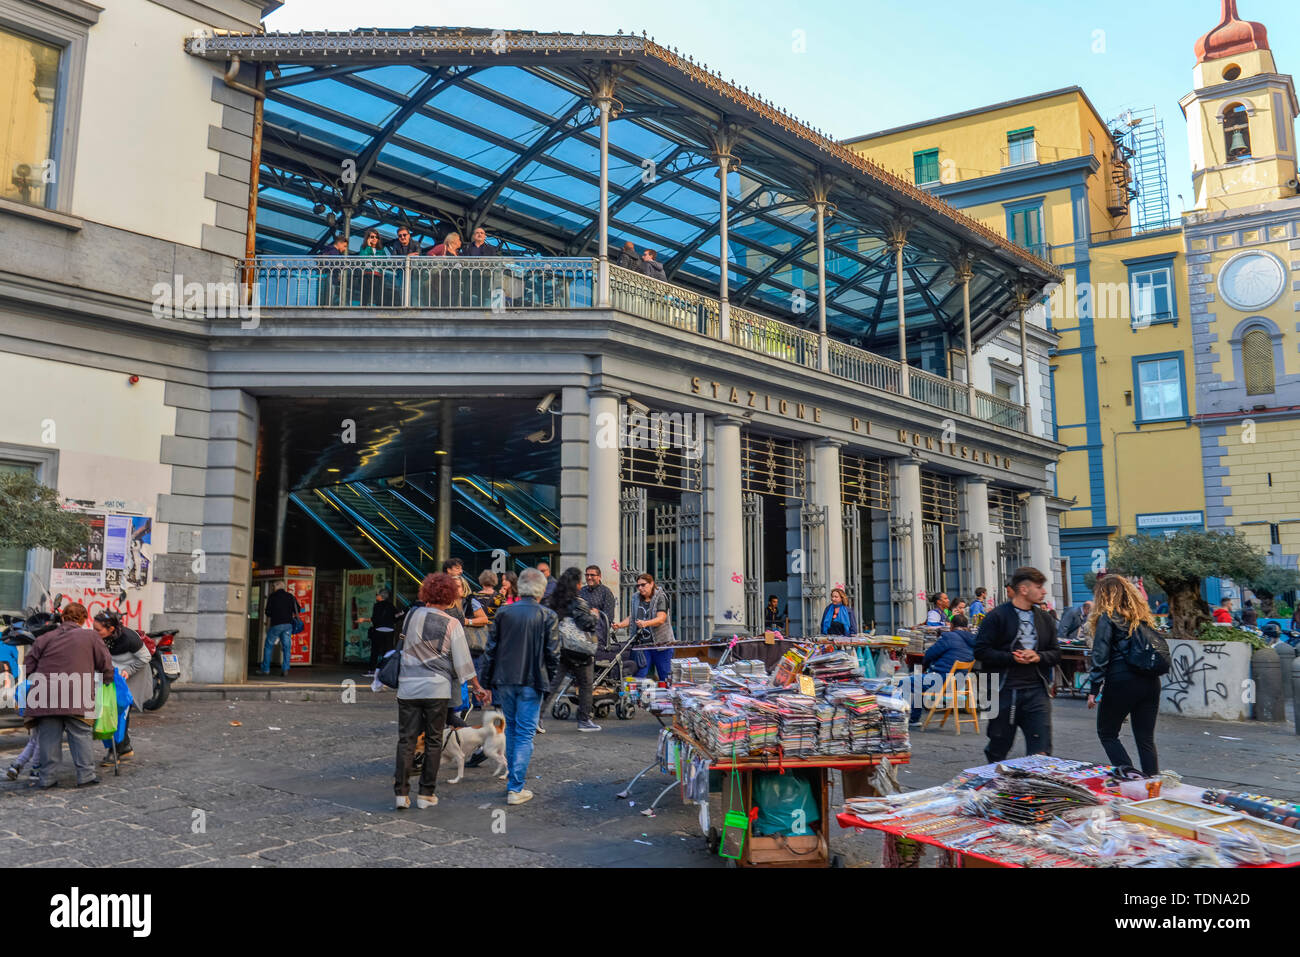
(838, 617)
(1120, 617)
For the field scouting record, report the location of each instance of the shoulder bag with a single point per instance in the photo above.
(1146, 651)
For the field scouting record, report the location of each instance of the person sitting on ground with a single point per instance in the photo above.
(952, 647)
(131, 658)
(73, 650)
(628, 258)
(651, 266)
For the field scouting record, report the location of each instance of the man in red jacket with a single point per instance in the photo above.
(64, 668)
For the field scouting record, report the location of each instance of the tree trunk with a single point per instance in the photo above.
(1265, 605)
(1187, 610)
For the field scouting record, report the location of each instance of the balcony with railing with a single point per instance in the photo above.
(501, 285)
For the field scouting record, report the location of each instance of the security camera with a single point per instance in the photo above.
(546, 403)
(535, 436)
(1022, 496)
(640, 408)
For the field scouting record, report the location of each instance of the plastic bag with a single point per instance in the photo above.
(785, 805)
(106, 712)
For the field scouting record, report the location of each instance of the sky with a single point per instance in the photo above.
(850, 68)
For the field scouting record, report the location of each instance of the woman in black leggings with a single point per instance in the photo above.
(1117, 611)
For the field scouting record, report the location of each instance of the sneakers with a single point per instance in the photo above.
(588, 725)
(540, 729)
(13, 772)
(403, 802)
(519, 797)
(88, 784)
(424, 801)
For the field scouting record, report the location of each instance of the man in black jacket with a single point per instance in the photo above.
(519, 664)
(1017, 641)
(281, 607)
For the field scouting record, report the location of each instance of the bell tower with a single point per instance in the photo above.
(1240, 119)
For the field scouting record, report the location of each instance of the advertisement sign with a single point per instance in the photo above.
(302, 588)
(359, 588)
(83, 568)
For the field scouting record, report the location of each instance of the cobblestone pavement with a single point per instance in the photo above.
(307, 783)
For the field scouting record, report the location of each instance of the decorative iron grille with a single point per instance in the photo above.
(864, 482)
(662, 455)
(1006, 513)
(938, 498)
(773, 466)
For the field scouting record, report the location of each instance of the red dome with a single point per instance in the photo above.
(1233, 35)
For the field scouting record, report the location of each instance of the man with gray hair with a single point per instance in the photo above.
(519, 664)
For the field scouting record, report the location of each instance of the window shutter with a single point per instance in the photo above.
(1257, 362)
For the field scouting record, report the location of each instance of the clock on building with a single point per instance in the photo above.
(1252, 280)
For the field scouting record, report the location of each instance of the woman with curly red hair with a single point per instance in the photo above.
(435, 660)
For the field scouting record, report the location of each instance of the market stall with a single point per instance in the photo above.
(1042, 811)
(768, 743)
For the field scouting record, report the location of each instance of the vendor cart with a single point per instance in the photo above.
(807, 850)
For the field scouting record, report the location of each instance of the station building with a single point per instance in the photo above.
(787, 410)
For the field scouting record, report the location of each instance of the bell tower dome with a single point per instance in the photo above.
(1240, 118)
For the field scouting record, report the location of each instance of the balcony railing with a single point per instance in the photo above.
(501, 284)
(423, 282)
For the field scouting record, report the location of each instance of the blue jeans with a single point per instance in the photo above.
(931, 683)
(284, 635)
(521, 705)
(661, 659)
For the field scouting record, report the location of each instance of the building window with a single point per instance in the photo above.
(925, 167)
(1020, 147)
(1236, 132)
(1160, 389)
(1025, 227)
(1257, 362)
(1151, 294)
(29, 84)
(1007, 387)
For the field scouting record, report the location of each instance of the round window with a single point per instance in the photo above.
(1231, 71)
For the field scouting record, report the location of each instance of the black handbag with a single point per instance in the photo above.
(390, 670)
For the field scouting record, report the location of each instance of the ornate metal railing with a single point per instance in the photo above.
(865, 368)
(501, 284)
(773, 338)
(663, 302)
(999, 411)
(936, 390)
(422, 282)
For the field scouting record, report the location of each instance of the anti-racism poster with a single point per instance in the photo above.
(301, 583)
(83, 568)
(359, 588)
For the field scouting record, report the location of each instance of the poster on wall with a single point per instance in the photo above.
(359, 587)
(139, 556)
(301, 583)
(84, 567)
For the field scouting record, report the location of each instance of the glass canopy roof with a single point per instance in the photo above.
(440, 129)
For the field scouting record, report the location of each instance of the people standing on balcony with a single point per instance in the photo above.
(403, 245)
(628, 258)
(653, 631)
(478, 245)
(444, 285)
(330, 287)
(372, 280)
(651, 266)
(838, 618)
(481, 281)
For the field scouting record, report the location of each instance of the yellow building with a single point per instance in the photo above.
(1242, 241)
(1048, 172)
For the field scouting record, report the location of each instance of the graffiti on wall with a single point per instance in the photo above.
(1194, 674)
(131, 610)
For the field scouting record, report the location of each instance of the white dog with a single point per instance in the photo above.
(459, 743)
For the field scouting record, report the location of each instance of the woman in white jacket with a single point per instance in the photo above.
(131, 658)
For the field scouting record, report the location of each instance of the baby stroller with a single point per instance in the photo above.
(607, 686)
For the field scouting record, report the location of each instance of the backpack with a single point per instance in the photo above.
(1145, 651)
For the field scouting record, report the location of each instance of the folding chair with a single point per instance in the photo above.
(956, 696)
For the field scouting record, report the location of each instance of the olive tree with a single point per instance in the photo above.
(1179, 563)
(1269, 583)
(31, 517)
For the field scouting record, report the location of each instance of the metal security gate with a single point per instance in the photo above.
(632, 543)
(812, 590)
(751, 511)
(677, 556)
(970, 560)
(852, 520)
(901, 533)
(1007, 515)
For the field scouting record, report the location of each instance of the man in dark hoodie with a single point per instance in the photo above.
(951, 647)
(1017, 641)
